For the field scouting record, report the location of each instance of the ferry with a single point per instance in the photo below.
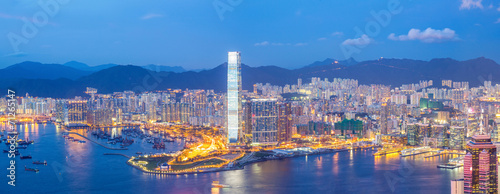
(30, 169)
(216, 184)
(453, 163)
(415, 151)
(38, 162)
(381, 152)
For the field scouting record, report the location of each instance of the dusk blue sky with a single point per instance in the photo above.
(287, 33)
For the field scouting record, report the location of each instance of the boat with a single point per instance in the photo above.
(160, 145)
(415, 151)
(25, 157)
(27, 142)
(21, 147)
(38, 162)
(387, 151)
(453, 163)
(5, 151)
(139, 153)
(216, 184)
(30, 169)
(81, 141)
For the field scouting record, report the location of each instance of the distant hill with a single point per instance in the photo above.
(85, 67)
(328, 61)
(392, 72)
(158, 68)
(36, 70)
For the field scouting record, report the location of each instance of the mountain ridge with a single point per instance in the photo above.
(394, 72)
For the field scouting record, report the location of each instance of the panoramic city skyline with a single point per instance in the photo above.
(287, 35)
(240, 96)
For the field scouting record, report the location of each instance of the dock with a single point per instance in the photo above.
(118, 154)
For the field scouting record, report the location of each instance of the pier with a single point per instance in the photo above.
(118, 154)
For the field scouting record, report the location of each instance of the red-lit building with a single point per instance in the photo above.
(480, 166)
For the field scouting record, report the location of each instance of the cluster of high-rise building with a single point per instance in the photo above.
(418, 114)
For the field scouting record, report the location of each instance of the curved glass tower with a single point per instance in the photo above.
(234, 111)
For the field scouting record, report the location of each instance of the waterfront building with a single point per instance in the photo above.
(457, 186)
(77, 112)
(99, 117)
(284, 122)
(176, 112)
(383, 118)
(457, 137)
(61, 111)
(350, 126)
(480, 166)
(234, 108)
(412, 134)
(264, 122)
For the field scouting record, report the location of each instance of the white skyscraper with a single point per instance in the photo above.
(234, 111)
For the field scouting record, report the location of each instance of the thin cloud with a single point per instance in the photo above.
(151, 16)
(361, 41)
(337, 34)
(429, 35)
(321, 39)
(16, 54)
(265, 43)
(498, 21)
(470, 4)
(498, 9)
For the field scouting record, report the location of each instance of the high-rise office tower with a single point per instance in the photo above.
(284, 122)
(77, 112)
(234, 111)
(480, 166)
(383, 118)
(264, 122)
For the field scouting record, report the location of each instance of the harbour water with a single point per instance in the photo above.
(83, 168)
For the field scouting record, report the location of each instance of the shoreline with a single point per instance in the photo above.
(240, 167)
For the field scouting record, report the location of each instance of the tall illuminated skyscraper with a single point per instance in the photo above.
(234, 111)
(480, 166)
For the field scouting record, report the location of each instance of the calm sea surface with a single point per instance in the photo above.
(82, 168)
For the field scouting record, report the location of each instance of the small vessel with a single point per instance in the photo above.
(21, 147)
(39, 162)
(81, 141)
(385, 151)
(216, 184)
(30, 169)
(139, 153)
(25, 157)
